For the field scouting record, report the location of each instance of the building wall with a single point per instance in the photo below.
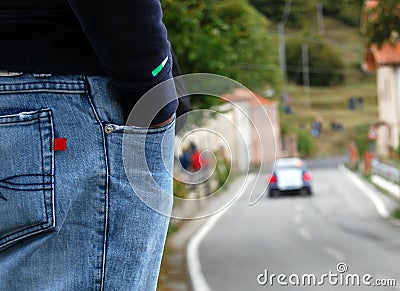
(396, 135)
(247, 134)
(388, 81)
(242, 137)
(266, 138)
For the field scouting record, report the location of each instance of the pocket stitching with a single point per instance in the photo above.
(43, 115)
(142, 130)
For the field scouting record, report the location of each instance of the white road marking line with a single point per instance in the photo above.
(297, 219)
(395, 221)
(199, 282)
(304, 233)
(387, 185)
(379, 205)
(298, 207)
(337, 255)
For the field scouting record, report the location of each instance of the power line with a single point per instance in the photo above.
(282, 46)
(298, 69)
(327, 42)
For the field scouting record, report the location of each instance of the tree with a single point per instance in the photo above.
(383, 22)
(326, 66)
(299, 14)
(348, 11)
(226, 37)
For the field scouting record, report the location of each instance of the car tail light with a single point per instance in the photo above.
(271, 179)
(307, 177)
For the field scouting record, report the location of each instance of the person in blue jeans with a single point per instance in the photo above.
(70, 214)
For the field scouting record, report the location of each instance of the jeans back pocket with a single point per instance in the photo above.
(26, 175)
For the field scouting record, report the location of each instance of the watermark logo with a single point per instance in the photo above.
(339, 277)
(342, 267)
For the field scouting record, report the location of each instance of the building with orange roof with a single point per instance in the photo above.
(263, 130)
(246, 128)
(385, 61)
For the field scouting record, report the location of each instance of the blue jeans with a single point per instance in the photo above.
(69, 217)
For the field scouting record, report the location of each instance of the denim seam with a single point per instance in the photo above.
(45, 82)
(49, 121)
(21, 121)
(44, 90)
(42, 150)
(41, 189)
(23, 86)
(38, 112)
(19, 238)
(24, 184)
(20, 186)
(127, 129)
(18, 176)
(51, 170)
(103, 267)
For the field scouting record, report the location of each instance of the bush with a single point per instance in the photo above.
(222, 171)
(325, 65)
(351, 13)
(299, 12)
(180, 189)
(347, 11)
(332, 7)
(396, 213)
(305, 143)
(361, 139)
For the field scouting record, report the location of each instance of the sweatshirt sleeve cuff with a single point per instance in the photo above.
(166, 112)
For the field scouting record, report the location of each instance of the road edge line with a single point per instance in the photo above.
(196, 276)
(378, 203)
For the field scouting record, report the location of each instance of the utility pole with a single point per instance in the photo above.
(320, 19)
(282, 46)
(306, 72)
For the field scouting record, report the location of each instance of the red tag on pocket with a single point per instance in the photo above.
(60, 144)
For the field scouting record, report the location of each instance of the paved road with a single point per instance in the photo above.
(300, 235)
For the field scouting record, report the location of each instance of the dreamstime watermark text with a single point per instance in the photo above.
(340, 277)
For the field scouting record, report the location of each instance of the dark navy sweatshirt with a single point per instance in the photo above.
(123, 39)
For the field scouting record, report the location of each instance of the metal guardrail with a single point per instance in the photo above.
(388, 172)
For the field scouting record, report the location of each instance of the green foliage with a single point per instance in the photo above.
(348, 11)
(396, 156)
(383, 24)
(221, 37)
(326, 66)
(172, 228)
(222, 171)
(332, 7)
(350, 14)
(396, 213)
(180, 189)
(305, 143)
(361, 139)
(398, 150)
(299, 12)
(284, 128)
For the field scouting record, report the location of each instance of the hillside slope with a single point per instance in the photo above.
(332, 103)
